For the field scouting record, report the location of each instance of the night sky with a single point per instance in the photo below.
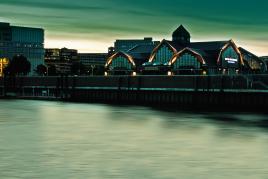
(93, 25)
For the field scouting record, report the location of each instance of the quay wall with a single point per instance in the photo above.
(232, 92)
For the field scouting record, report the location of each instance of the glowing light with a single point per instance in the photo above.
(231, 60)
(152, 57)
(169, 73)
(180, 53)
(106, 73)
(232, 44)
(3, 64)
(128, 57)
(134, 73)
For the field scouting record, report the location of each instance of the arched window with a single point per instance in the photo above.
(187, 61)
(121, 62)
(163, 55)
(230, 58)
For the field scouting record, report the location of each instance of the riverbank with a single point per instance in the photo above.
(178, 92)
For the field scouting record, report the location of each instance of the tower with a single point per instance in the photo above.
(181, 35)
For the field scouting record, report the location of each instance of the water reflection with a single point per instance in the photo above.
(64, 140)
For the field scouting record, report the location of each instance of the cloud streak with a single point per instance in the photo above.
(99, 19)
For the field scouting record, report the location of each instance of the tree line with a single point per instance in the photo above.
(20, 66)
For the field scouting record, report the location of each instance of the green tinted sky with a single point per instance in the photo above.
(93, 25)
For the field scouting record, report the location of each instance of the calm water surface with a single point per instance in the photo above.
(65, 140)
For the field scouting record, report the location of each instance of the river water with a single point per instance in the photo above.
(40, 139)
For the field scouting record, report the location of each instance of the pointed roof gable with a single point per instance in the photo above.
(193, 52)
(163, 42)
(117, 54)
(181, 34)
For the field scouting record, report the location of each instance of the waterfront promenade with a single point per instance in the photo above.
(238, 91)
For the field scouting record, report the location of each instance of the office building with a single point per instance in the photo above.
(92, 59)
(26, 41)
(61, 59)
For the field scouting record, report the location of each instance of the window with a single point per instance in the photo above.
(121, 62)
(187, 61)
(230, 58)
(163, 55)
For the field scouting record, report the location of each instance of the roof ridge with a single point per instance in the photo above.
(211, 41)
(133, 48)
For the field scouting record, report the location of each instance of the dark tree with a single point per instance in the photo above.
(99, 70)
(41, 70)
(6, 70)
(78, 68)
(52, 71)
(19, 65)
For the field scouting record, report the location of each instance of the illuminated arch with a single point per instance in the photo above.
(225, 47)
(182, 52)
(118, 54)
(162, 43)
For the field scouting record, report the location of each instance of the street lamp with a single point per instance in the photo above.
(92, 69)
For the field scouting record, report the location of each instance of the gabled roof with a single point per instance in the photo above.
(208, 50)
(204, 46)
(209, 46)
(163, 42)
(117, 54)
(232, 44)
(141, 49)
(244, 51)
(141, 53)
(193, 52)
(181, 31)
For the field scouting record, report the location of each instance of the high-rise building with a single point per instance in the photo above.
(26, 41)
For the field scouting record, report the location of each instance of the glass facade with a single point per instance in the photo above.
(230, 58)
(187, 64)
(97, 59)
(121, 62)
(25, 41)
(230, 61)
(163, 55)
(187, 61)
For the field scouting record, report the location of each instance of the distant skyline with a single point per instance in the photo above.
(93, 26)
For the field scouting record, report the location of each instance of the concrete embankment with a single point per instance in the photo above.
(227, 92)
